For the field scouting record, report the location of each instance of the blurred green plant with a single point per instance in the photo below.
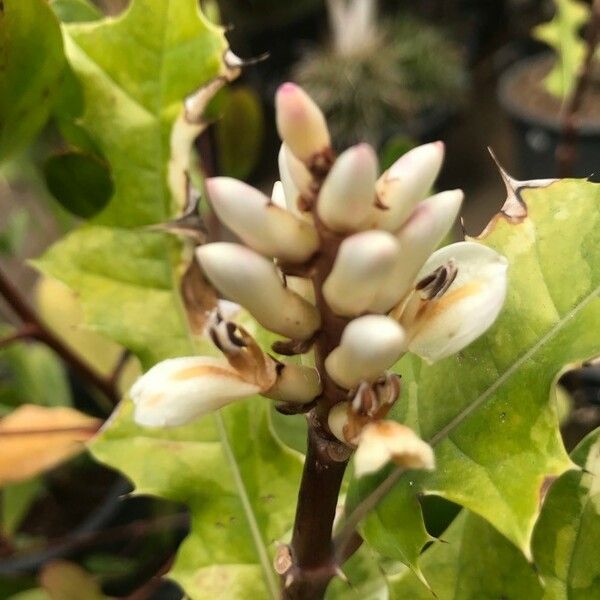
(239, 132)
(563, 35)
(375, 77)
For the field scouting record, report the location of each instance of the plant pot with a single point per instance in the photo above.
(536, 119)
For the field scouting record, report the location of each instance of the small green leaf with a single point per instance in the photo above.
(487, 410)
(562, 33)
(473, 562)
(565, 540)
(81, 183)
(31, 67)
(239, 133)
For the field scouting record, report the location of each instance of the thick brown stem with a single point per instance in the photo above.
(35, 328)
(566, 152)
(312, 553)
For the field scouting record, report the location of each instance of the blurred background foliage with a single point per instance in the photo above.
(412, 73)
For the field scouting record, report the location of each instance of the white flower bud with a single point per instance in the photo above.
(346, 200)
(262, 225)
(369, 345)
(419, 237)
(384, 441)
(179, 390)
(295, 178)
(253, 281)
(301, 123)
(444, 324)
(298, 384)
(363, 265)
(406, 183)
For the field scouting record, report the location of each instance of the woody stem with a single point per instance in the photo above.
(313, 557)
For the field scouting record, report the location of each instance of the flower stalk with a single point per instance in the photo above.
(344, 265)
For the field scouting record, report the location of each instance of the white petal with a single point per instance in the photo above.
(384, 441)
(429, 223)
(407, 182)
(364, 263)
(295, 383)
(262, 225)
(179, 390)
(466, 310)
(300, 122)
(346, 200)
(369, 345)
(253, 281)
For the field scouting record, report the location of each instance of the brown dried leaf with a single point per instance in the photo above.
(34, 439)
(199, 297)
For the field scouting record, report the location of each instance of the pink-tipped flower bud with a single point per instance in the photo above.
(262, 225)
(406, 183)
(301, 123)
(429, 223)
(363, 265)
(369, 345)
(346, 200)
(251, 280)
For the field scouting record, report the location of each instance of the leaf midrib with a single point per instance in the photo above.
(259, 543)
(498, 383)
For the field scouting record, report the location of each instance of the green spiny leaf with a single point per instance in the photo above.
(135, 72)
(473, 562)
(487, 410)
(566, 535)
(239, 482)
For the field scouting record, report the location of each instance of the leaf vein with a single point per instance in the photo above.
(259, 543)
(481, 399)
